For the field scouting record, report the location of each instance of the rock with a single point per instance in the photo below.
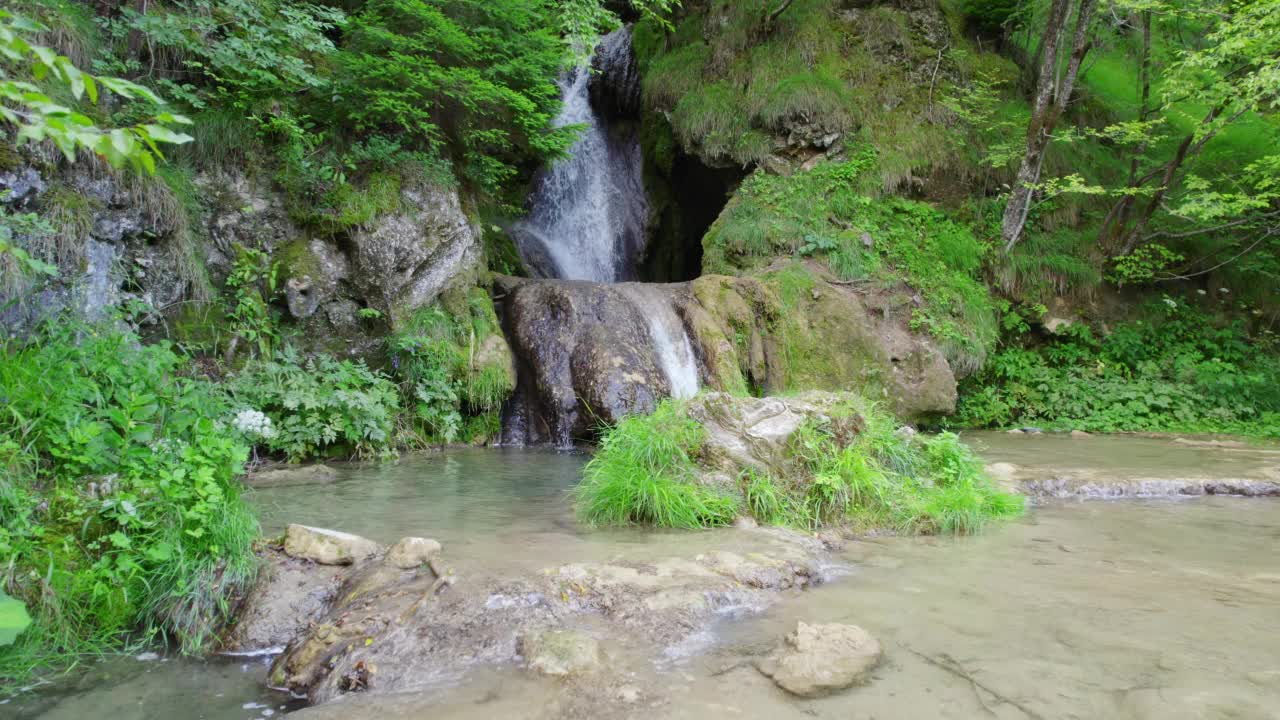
(1005, 475)
(404, 259)
(749, 432)
(386, 629)
(838, 337)
(615, 78)
(412, 552)
(290, 475)
(590, 358)
(561, 653)
(289, 595)
(817, 660)
(1080, 434)
(327, 547)
(23, 185)
(745, 522)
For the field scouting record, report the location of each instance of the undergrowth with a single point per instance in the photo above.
(120, 512)
(1176, 369)
(852, 468)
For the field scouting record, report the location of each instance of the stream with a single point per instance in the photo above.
(1159, 608)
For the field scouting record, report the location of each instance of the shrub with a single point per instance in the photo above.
(453, 392)
(120, 512)
(319, 406)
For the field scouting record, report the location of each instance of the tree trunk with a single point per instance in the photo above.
(1053, 92)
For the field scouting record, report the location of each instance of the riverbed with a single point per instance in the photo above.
(1120, 609)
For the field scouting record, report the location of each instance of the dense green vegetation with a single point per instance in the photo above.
(854, 468)
(120, 514)
(1172, 371)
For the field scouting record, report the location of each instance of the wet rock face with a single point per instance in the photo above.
(587, 358)
(818, 660)
(615, 82)
(327, 547)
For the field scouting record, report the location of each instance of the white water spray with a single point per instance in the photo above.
(670, 339)
(587, 216)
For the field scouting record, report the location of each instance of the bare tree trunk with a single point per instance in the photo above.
(1053, 92)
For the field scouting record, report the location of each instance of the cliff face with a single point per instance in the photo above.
(172, 242)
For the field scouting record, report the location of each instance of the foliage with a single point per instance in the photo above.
(31, 73)
(319, 406)
(120, 512)
(643, 472)
(1178, 370)
(445, 376)
(246, 51)
(852, 468)
(463, 80)
(821, 213)
(252, 285)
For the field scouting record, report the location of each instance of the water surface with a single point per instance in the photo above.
(1143, 610)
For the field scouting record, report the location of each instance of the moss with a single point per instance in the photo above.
(883, 243)
(350, 204)
(296, 260)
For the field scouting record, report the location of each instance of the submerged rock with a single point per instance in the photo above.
(817, 660)
(292, 475)
(385, 629)
(561, 653)
(327, 547)
(411, 552)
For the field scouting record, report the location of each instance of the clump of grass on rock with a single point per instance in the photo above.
(844, 463)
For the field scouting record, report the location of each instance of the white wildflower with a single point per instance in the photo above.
(1223, 290)
(1171, 302)
(1202, 292)
(254, 423)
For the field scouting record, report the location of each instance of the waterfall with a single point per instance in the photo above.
(670, 339)
(588, 212)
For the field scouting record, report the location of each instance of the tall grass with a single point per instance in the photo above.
(851, 468)
(644, 473)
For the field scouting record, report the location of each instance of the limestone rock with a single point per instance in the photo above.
(327, 547)
(561, 653)
(403, 260)
(412, 552)
(590, 356)
(748, 432)
(817, 660)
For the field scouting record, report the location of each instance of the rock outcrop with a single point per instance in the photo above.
(589, 357)
(378, 626)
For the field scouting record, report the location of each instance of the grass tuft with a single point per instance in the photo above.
(644, 473)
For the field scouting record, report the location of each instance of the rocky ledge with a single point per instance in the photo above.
(351, 617)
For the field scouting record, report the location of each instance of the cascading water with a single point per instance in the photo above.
(588, 212)
(670, 340)
(591, 352)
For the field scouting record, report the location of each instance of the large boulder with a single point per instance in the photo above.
(797, 328)
(561, 653)
(743, 432)
(588, 354)
(404, 259)
(817, 660)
